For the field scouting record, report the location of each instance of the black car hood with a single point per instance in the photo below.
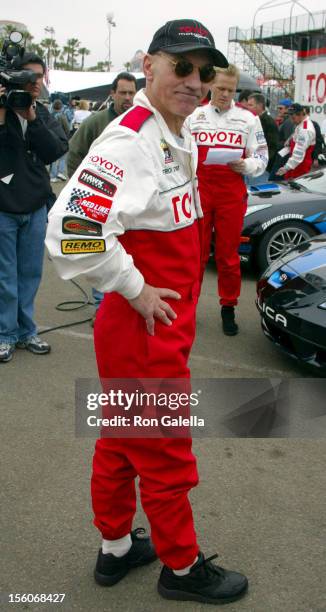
(285, 194)
(295, 287)
(304, 265)
(308, 258)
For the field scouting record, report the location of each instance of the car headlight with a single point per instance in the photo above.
(256, 208)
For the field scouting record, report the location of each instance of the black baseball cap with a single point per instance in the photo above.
(295, 108)
(182, 35)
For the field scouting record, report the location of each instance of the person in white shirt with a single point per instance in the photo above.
(81, 114)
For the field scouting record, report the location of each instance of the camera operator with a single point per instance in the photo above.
(29, 139)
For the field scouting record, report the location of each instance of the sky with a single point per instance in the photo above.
(136, 21)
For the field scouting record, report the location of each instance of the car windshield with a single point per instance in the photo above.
(315, 182)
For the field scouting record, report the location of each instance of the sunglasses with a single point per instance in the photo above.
(183, 68)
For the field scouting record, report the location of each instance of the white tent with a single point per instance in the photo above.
(68, 81)
(95, 85)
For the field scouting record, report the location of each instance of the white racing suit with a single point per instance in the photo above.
(223, 192)
(301, 145)
(130, 213)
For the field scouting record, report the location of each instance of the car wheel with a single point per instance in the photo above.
(281, 238)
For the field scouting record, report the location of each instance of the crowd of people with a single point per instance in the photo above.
(147, 189)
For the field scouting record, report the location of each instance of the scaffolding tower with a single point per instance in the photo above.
(269, 51)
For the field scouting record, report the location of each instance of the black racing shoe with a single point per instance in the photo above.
(206, 582)
(229, 325)
(110, 569)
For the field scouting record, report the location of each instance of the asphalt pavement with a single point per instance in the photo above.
(260, 503)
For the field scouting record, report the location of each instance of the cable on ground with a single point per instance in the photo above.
(68, 307)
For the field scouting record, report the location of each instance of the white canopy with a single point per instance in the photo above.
(67, 81)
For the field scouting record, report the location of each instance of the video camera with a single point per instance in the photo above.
(12, 78)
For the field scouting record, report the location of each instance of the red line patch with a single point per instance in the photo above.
(95, 207)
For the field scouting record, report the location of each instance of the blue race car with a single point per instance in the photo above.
(281, 216)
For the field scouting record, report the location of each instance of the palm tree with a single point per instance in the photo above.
(56, 51)
(28, 37)
(127, 66)
(83, 51)
(72, 47)
(47, 44)
(37, 49)
(65, 57)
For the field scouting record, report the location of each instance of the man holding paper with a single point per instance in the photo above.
(231, 144)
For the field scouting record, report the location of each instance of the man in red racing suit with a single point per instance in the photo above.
(300, 145)
(135, 195)
(222, 124)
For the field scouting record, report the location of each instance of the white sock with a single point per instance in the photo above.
(118, 548)
(185, 570)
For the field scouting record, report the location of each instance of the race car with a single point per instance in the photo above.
(291, 299)
(281, 216)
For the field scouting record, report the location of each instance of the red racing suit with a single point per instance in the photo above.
(135, 200)
(301, 146)
(223, 192)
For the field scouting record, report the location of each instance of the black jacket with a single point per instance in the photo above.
(286, 130)
(319, 146)
(25, 158)
(88, 131)
(270, 130)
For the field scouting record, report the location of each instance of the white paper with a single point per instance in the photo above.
(285, 151)
(222, 156)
